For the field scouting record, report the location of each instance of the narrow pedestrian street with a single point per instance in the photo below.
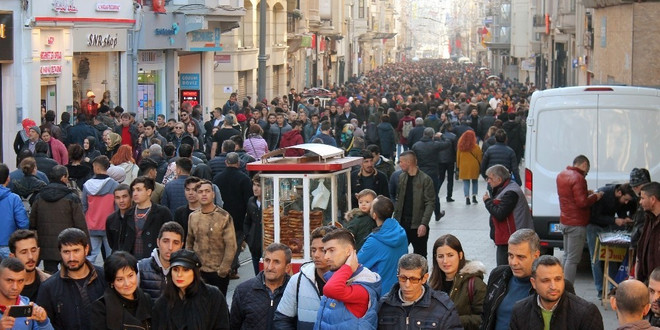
(469, 223)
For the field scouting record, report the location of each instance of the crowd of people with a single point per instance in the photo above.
(139, 224)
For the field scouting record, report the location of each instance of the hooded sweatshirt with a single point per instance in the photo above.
(382, 250)
(98, 202)
(10, 202)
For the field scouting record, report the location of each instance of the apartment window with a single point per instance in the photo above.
(290, 23)
(361, 8)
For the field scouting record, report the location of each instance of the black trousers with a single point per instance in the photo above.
(502, 255)
(222, 283)
(447, 169)
(419, 243)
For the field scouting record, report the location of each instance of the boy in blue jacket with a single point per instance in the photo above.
(385, 245)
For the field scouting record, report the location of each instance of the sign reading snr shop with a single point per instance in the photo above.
(99, 40)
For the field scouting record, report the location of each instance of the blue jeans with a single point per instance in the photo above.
(574, 237)
(466, 187)
(597, 267)
(399, 149)
(96, 241)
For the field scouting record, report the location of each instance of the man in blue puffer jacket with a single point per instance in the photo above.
(12, 271)
(385, 245)
(350, 295)
(15, 215)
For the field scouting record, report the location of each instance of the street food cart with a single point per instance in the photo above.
(300, 194)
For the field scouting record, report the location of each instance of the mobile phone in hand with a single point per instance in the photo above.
(20, 311)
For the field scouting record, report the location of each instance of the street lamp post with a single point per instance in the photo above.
(261, 71)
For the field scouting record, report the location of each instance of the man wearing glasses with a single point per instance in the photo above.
(412, 302)
(351, 292)
(508, 209)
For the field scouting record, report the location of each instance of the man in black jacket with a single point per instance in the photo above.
(136, 231)
(367, 177)
(610, 213)
(448, 160)
(255, 301)
(567, 311)
(412, 301)
(236, 189)
(501, 154)
(428, 150)
(416, 133)
(154, 269)
(67, 296)
(117, 219)
(55, 208)
(510, 283)
(44, 163)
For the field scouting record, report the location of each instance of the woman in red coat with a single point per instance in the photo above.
(56, 148)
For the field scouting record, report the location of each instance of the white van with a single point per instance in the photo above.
(616, 127)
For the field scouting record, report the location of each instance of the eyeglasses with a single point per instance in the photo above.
(178, 127)
(183, 114)
(413, 280)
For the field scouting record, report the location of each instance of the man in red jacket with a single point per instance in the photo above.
(292, 138)
(575, 209)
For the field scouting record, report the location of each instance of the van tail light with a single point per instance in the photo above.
(598, 89)
(528, 186)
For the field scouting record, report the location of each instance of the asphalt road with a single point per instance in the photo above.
(470, 224)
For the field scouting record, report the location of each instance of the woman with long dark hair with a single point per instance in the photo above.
(468, 162)
(123, 305)
(462, 280)
(187, 302)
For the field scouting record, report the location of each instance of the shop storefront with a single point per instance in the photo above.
(6, 58)
(97, 66)
(157, 65)
(78, 56)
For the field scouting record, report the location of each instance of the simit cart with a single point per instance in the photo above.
(300, 194)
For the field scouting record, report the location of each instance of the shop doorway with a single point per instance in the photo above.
(49, 95)
(149, 94)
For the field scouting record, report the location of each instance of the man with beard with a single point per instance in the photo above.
(23, 246)
(255, 301)
(153, 270)
(67, 296)
(367, 177)
(631, 303)
(654, 297)
(302, 296)
(551, 307)
(610, 213)
(211, 235)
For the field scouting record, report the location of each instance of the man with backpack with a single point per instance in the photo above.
(406, 124)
